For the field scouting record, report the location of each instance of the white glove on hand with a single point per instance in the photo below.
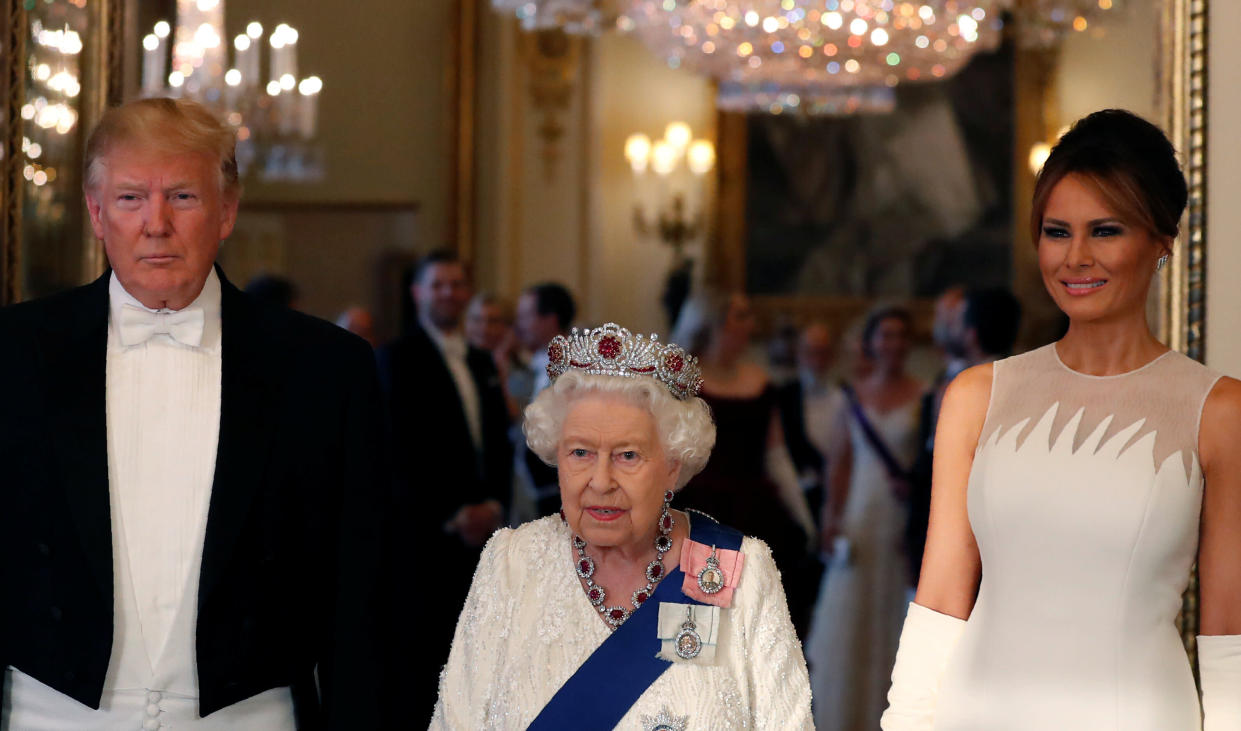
(927, 641)
(1219, 668)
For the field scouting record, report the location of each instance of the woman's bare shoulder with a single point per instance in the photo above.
(1221, 419)
(969, 394)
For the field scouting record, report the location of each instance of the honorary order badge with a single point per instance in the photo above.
(688, 641)
(689, 632)
(711, 577)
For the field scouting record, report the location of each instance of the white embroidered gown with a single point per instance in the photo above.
(1084, 498)
(857, 620)
(527, 626)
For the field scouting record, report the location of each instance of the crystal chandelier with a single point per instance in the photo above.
(276, 120)
(1044, 23)
(824, 56)
(579, 17)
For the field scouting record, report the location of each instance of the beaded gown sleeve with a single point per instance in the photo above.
(527, 627)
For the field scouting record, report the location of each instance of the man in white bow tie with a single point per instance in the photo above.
(192, 490)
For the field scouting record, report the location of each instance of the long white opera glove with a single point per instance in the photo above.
(780, 468)
(1219, 667)
(927, 640)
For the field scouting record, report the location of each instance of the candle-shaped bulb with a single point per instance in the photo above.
(242, 42)
(254, 29)
(638, 151)
(273, 88)
(162, 29)
(310, 85)
(287, 82)
(233, 77)
(701, 157)
(176, 79)
(678, 135)
(150, 42)
(663, 158)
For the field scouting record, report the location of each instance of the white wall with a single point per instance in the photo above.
(1223, 339)
(1113, 65)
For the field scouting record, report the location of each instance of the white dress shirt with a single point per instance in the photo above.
(538, 364)
(821, 402)
(453, 348)
(163, 427)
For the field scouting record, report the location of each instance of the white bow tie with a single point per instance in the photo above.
(138, 325)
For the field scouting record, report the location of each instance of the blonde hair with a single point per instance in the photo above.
(177, 126)
(685, 428)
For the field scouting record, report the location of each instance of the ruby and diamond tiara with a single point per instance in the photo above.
(612, 350)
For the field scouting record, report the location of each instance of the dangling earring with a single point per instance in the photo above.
(1162, 260)
(665, 524)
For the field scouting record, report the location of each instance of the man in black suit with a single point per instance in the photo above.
(974, 327)
(453, 467)
(544, 311)
(808, 410)
(192, 480)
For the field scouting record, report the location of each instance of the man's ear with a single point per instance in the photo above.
(94, 208)
(229, 219)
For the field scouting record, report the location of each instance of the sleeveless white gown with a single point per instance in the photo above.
(1084, 498)
(857, 620)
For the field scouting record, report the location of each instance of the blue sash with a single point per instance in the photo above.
(620, 670)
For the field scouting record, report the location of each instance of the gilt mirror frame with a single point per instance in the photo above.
(1178, 307)
(1182, 86)
(101, 85)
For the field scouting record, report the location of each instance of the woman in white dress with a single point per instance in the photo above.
(620, 612)
(857, 620)
(1075, 485)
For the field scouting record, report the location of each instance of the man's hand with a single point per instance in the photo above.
(476, 523)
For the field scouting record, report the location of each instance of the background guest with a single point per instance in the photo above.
(489, 327)
(857, 621)
(751, 484)
(544, 311)
(809, 407)
(274, 289)
(985, 329)
(452, 462)
(359, 321)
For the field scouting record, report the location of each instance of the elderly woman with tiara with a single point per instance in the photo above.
(622, 612)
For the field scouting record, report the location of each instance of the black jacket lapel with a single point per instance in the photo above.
(249, 391)
(76, 361)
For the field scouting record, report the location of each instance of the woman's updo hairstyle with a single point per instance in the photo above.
(876, 317)
(1129, 161)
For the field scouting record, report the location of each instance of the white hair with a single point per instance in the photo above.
(685, 428)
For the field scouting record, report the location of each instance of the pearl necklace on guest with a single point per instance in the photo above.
(616, 616)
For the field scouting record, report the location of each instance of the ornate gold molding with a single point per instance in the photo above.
(13, 94)
(552, 60)
(1183, 103)
(1182, 306)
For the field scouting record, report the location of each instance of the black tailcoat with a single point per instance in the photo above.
(288, 583)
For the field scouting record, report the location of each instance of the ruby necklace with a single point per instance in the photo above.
(615, 616)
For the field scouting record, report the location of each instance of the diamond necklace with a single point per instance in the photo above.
(615, 616)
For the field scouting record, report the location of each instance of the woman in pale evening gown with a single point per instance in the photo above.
(1075, 485)
(857, 620)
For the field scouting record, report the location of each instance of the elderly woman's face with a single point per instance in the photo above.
(613, 471)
